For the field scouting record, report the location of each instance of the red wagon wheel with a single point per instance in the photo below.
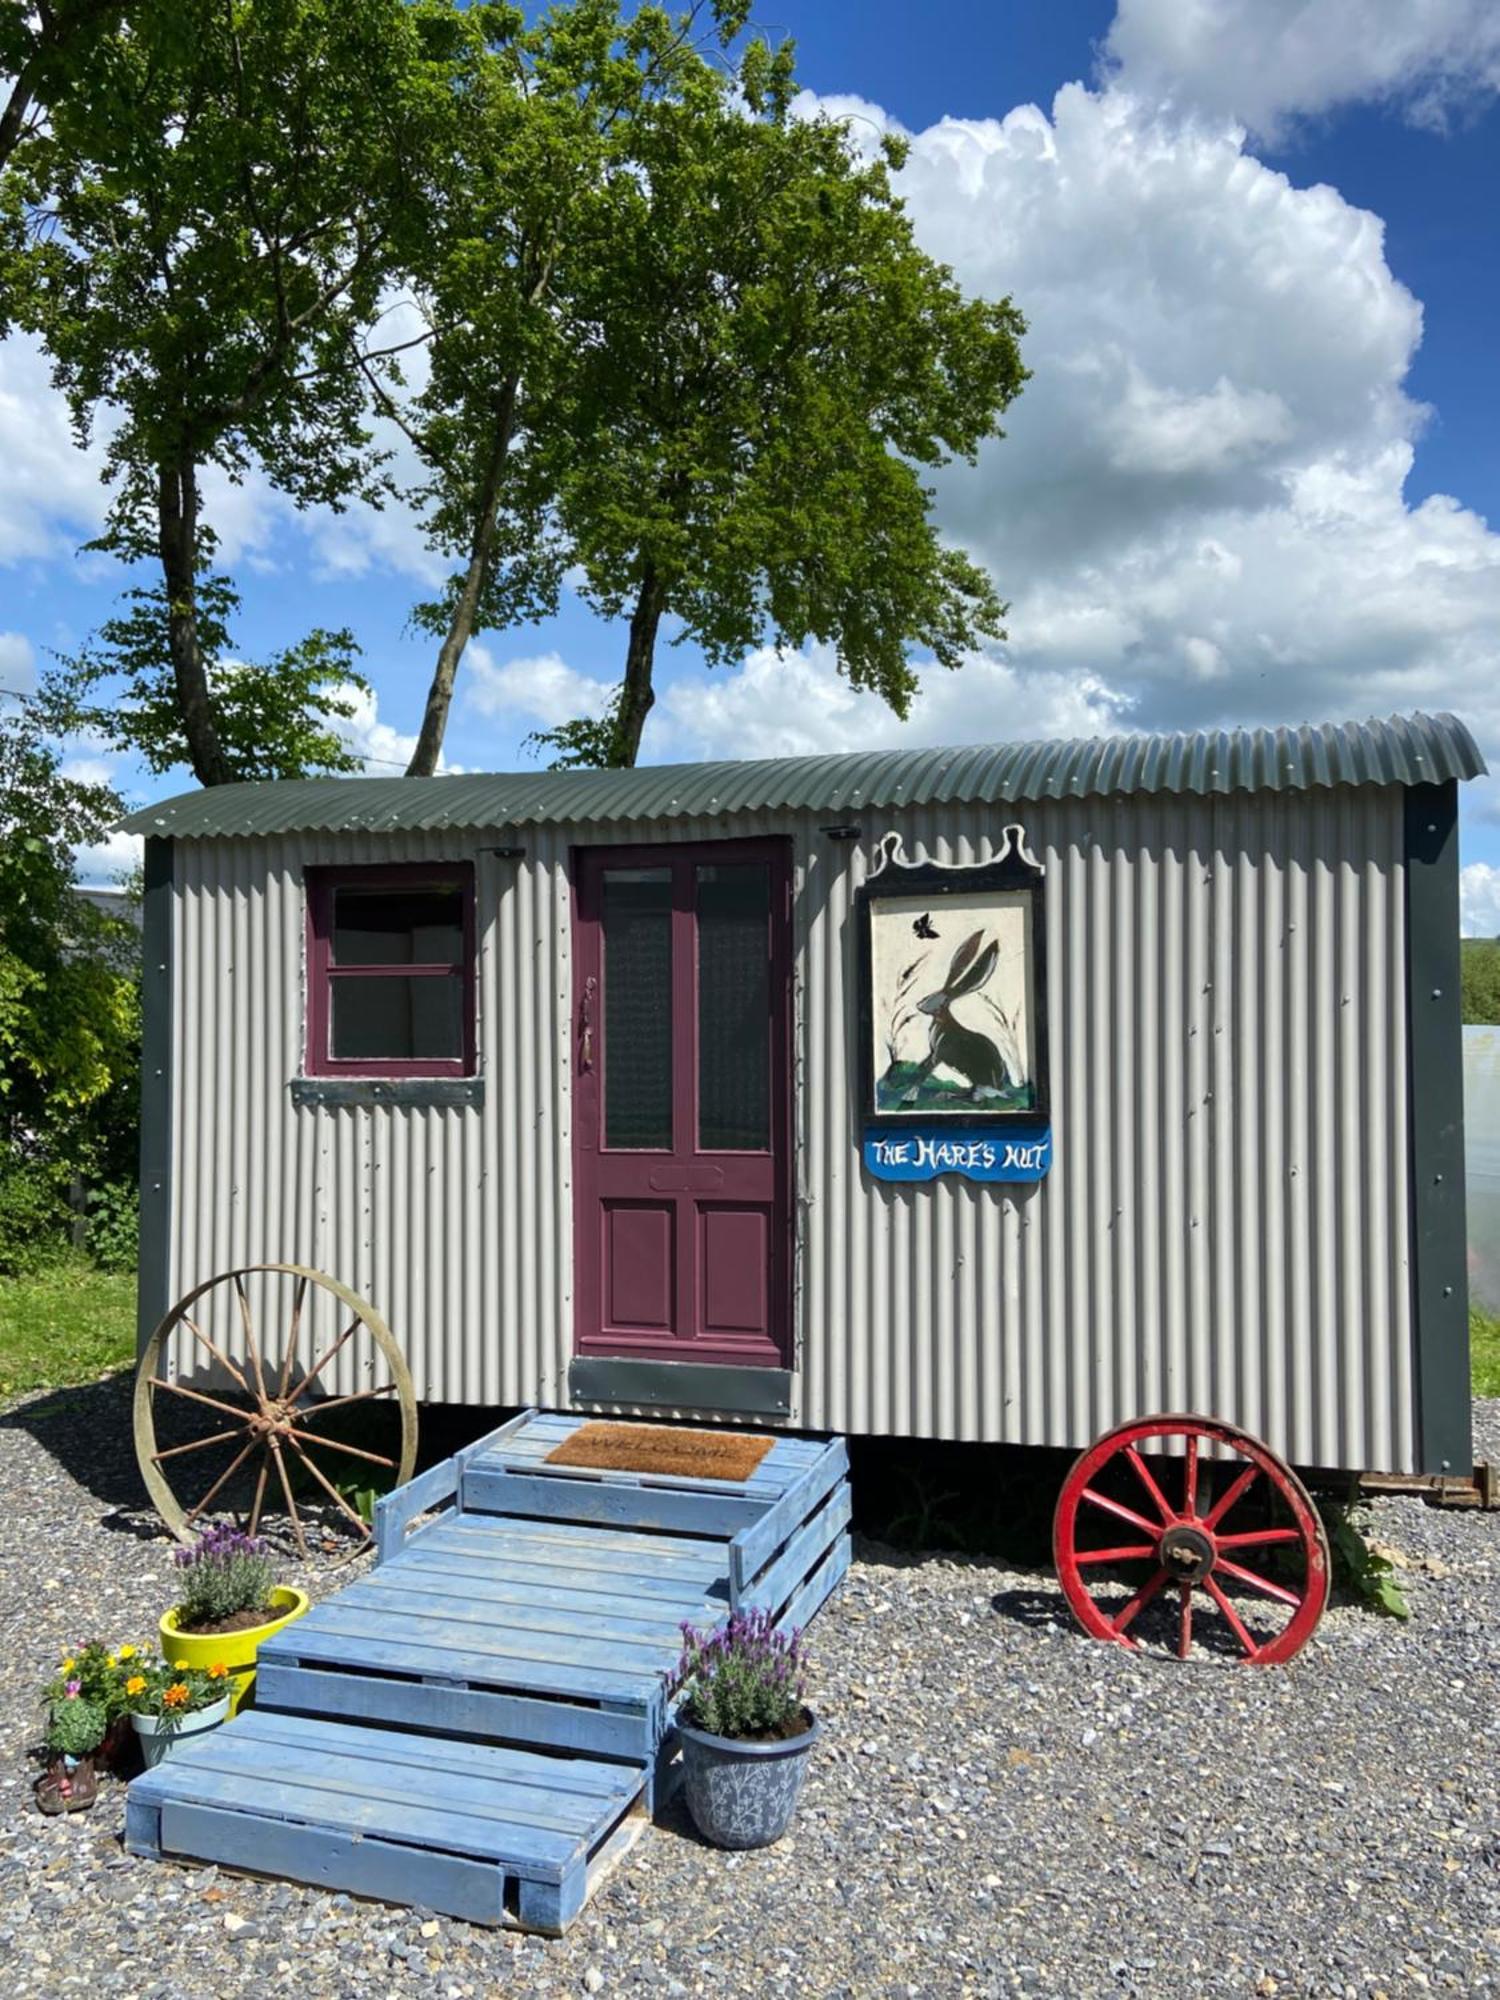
(1173, 1518)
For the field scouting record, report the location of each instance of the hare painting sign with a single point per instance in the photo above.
(952, 990)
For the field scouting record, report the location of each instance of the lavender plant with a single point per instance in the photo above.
(222, 1573)
(744, 1680)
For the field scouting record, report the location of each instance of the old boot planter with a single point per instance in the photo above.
(743, 1794)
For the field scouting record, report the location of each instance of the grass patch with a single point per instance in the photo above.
(69, 1323)
(1484, 1351)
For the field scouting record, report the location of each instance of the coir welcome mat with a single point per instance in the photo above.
(661, 1448)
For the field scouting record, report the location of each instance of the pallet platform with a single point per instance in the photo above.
(512, 1646)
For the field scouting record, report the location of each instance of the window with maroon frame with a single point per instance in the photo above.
(390, 971)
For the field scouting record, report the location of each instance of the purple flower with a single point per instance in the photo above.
(73, 1688)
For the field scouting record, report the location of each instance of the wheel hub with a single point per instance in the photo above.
(1187, 1553)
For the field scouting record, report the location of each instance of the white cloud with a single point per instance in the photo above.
(1198, 513)
(90, 770)
(1479, 890)
(105, 866)
(1268, 62)
(385, 750)
(50, 495)
(541, 689)
(17, 663)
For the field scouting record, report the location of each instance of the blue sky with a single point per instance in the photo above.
(1252, 479)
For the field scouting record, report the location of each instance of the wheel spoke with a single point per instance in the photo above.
(1190, 1476)
(252, 1345)
(1231, 1494)
(197, 1396)
(333, 1444)
(1138, 1603)
(1261, 1583)
(226, 1475)
(330, 1489)
(260, 1493)
(1259, 1538)
(1135, 1552)
(338, 1402)
(217, 1353)
(198, 1444)
(1148, 1480)
(286, 1487)
(1185, 1622)
(291, 1337)
(323, 1359)
(1235, 1622)
(1152, 1528)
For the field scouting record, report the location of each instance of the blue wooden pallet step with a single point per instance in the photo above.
(480, 1722)
(477, 1832)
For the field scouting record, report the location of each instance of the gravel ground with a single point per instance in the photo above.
(998, 1805)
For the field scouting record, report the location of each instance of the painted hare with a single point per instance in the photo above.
(950, 1044)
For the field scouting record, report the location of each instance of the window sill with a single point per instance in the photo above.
(407, 1092)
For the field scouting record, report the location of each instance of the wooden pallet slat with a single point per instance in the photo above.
(480, 1721)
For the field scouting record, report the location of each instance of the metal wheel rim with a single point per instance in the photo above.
(1164, 1539)
(148, 1458)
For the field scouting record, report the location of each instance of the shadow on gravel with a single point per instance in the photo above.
(86, 1431)
(1034, 1608)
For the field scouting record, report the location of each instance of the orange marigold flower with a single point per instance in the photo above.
(176, 1695)
(136, 1684)
(217, 1671)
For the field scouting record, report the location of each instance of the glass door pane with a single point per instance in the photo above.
(734, 1008)
(637, 922)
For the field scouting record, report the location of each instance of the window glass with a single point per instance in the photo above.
(398, 926)
(397, 1020)
(734, 1009)
(638, 1008)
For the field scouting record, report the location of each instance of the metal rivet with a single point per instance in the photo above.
(1437, 992)
(1437, 1180)
(1447, 1291)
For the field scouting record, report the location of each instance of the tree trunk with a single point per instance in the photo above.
(177, 540)
(636, 696)
(424, 759)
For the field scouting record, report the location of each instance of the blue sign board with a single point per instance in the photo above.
(921, 1153)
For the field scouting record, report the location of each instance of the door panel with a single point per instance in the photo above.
(682, 1102)
(640, 1262)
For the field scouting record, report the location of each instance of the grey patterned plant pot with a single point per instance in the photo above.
(743, 1794)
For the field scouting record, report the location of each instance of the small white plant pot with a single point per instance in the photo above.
(161, 1735)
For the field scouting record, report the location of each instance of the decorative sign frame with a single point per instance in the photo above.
(953, 1007)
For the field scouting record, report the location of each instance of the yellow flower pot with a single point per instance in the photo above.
(235, 1649)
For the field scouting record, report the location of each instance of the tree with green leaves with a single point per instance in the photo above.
(523, 201)
(69, 993)
(46, 48)
(767, 364)
(206, 230)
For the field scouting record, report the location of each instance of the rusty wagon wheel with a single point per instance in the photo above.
(228, 1414)
(1172, 1516)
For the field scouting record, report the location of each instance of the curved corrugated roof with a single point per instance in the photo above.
(1401, 750)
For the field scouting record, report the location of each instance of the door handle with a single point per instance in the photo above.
(586, 1026)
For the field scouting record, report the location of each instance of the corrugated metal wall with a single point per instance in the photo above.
(1225, 1227)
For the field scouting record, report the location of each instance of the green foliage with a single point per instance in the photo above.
(766, 367)
(201, 237)
(113, 1228)
(75, 1726)
(744, 1680)
(34, 1217)
(1481, 982)
(275, 720)
(69, 998)
(224, 1572)
(69, 1323)
(1484, 1351)
(1358, 1567)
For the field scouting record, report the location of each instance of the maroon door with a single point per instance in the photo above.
(682, 994)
